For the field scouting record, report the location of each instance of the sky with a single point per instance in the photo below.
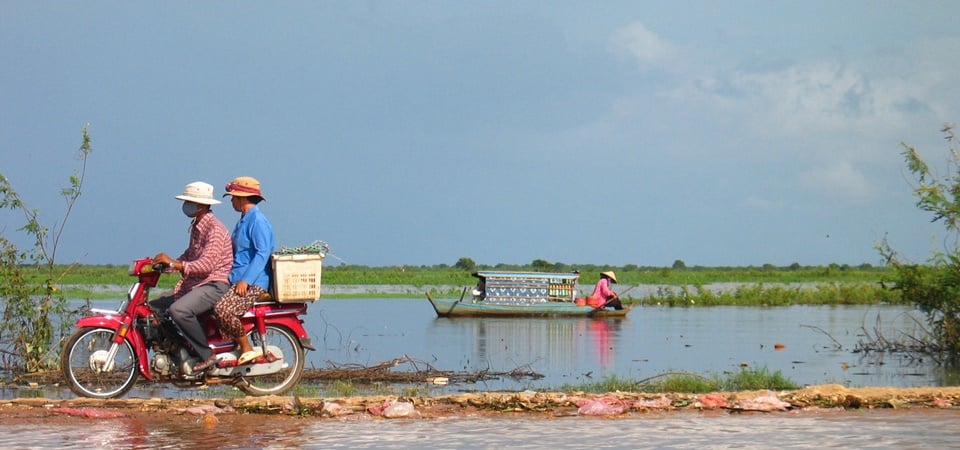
(419, 132)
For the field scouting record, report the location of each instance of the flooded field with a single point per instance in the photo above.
(809, 345)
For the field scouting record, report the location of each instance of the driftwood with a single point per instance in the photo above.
(419, 371)
(398, 370)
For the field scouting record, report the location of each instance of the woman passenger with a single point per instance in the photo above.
(250, 275)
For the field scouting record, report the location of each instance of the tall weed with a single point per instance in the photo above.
(29, 339)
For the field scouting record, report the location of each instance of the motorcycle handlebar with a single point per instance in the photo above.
(155, 267)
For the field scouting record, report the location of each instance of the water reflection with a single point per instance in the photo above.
(816, 343)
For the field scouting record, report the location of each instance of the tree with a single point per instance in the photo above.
(541, 265)
(27, 332)
(466, 264)
(679, 264)
(934, 287)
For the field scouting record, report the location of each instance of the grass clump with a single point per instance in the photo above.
(682, 382)
(339, 388)
(827, 293)
(756, 379)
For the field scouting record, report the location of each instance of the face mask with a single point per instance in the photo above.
(190, 209)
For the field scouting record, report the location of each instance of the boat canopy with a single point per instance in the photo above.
(517, 288)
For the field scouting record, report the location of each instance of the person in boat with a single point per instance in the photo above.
(604, 297)
(250, 275)
(204, 267)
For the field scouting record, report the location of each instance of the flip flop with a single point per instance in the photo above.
(248, 357)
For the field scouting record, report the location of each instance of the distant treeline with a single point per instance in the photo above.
(676, 286)
(461, 274)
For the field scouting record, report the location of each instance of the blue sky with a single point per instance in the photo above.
(409, 133)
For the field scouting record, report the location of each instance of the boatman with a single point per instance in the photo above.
(603, 296)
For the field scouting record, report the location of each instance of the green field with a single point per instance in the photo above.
(761, 285)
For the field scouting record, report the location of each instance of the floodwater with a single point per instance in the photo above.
(851, 429)
(807, 344)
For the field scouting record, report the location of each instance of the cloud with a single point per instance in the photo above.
(839, 180)
(644, 46)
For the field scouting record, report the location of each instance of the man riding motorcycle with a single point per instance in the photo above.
(205, 268)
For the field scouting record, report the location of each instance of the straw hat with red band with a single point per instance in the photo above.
(244, 187)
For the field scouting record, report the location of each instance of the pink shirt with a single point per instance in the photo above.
(603, 289)
(208, 257)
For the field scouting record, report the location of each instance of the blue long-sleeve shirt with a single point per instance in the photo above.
(252, 245)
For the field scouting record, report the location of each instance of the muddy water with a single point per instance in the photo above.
(852, 429)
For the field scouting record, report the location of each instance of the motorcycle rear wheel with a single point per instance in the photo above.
(284, 380)
(84, 360)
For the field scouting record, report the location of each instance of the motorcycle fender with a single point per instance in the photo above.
(133, 337)
(292, 323)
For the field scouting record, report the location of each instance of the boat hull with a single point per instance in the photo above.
(460, 308)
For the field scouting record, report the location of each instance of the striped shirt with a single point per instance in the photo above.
(209, 256)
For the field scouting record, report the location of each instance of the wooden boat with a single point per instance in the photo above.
(529, 294)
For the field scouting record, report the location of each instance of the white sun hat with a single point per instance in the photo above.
(199, 192)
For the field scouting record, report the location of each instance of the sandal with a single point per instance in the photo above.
(203, 366)
(248, 357)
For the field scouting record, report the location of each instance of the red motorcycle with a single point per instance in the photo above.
(109, 349)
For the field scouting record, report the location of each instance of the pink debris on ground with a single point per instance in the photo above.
(942, 403)
(712, 401)
(400, 409)
(604, 406)
(334, 409)
(766, 402)
(393, 409)
(377, 410)
(90, 413)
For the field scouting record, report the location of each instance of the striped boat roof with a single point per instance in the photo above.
(511, 274)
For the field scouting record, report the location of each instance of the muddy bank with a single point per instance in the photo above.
(26, 410)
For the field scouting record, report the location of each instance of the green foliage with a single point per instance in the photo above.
(466, 264)
(755, 379)
(339, 388)
(689, 383)
(31, 308)
(744, 380)
(934, 287)
(761, 294)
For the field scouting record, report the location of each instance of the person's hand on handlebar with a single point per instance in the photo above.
(163, 258)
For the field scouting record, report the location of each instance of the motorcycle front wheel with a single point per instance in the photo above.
(280, 338)
(89, 369)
